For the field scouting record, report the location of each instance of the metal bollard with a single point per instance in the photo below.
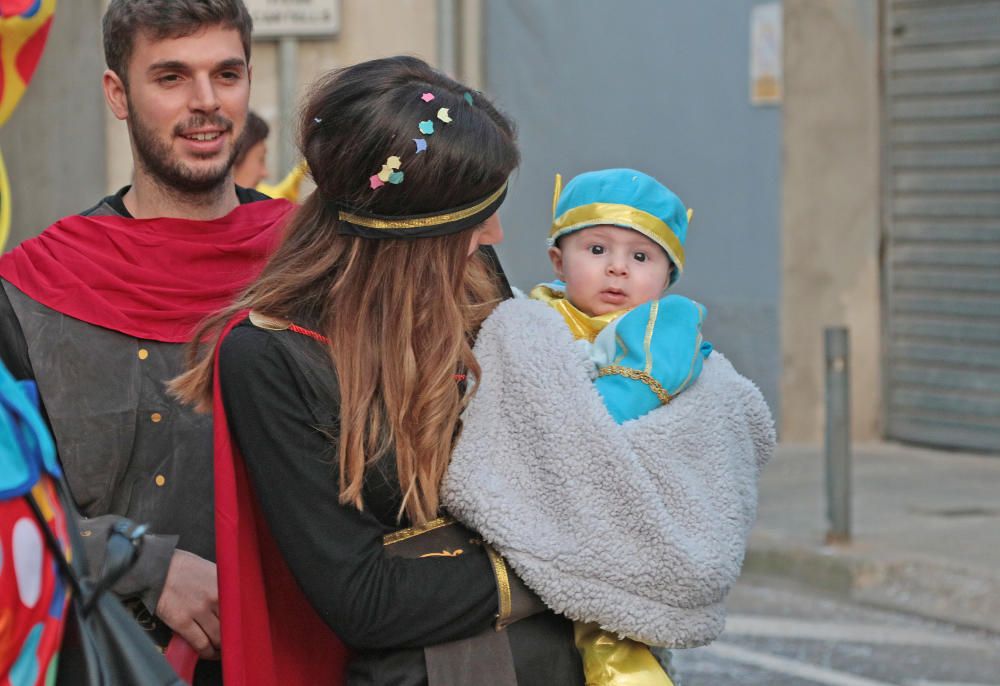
(838, 435)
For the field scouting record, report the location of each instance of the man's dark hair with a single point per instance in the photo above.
(254, 131)
(160, 19)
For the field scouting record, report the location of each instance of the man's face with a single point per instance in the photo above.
(187, 105)
(609, 268)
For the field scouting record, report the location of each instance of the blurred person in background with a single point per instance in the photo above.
(250, 166)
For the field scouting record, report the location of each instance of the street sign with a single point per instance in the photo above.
(278, 18)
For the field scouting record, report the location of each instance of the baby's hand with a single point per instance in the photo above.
(659, 352)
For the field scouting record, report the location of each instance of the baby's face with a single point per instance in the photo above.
(608, 268)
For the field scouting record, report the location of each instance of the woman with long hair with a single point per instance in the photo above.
(338, 380)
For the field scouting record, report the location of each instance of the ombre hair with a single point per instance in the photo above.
(400, 314)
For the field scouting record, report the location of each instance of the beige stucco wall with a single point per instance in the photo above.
(369, 28)
(830, 209)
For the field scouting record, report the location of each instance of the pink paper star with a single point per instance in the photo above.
(375, 181)
(427, 97)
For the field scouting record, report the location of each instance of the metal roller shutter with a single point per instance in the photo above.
(942, 200)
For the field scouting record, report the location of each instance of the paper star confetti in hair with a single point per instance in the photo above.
(391, 171)
(391, 165)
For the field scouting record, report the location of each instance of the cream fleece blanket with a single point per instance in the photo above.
(642, 527)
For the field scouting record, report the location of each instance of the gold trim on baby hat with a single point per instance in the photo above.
(599, 213)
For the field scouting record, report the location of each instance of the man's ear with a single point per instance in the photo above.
(115, 94)
(555, 255)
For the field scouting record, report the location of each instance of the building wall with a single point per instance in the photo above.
(54, 142)
(830, 211)
(662, 86)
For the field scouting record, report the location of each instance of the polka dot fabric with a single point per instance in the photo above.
(33, 597)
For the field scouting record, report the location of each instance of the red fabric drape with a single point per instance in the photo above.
(149, 278)
(271, 635)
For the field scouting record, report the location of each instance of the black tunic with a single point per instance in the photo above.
(281, 401)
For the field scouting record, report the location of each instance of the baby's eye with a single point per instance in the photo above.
(597, 250)
(640, 257)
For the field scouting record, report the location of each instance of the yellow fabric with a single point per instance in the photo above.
(15, 33)
(599, 213)
(556, 192)
(288, 187)
(4, 204)
(612, 661)
(581, 325)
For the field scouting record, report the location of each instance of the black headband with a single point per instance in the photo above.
(353, 222)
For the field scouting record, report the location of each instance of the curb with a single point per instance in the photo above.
(928, 588)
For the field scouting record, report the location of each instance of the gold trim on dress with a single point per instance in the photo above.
(654, 310)
(421, 222)
(629, 373)
(503, 586)
(445, 553)
(403, 534)
(598, 213)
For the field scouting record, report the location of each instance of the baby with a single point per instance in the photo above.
(616, 244)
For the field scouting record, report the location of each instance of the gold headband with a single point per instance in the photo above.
(355, 222)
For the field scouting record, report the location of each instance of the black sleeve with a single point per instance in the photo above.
(13, 347)
(369, 599)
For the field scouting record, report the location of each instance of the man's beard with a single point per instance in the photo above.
(157, 159)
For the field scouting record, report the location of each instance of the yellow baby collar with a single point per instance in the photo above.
(581, 325)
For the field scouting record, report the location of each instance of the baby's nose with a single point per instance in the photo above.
(617, 266)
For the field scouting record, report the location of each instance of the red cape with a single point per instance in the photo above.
(271, 635)
(150, 278)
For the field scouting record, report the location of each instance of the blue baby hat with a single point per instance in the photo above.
(626, 198)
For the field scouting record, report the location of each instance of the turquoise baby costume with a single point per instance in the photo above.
(644, 356)
(658, 352)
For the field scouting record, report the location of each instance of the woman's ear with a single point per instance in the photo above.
(555, 256)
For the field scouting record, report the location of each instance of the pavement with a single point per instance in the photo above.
(925, 530)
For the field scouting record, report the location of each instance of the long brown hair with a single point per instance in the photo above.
(400, 313)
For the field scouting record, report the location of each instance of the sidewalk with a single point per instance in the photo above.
(926, 530)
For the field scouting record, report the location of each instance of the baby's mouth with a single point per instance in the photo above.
(613, 295)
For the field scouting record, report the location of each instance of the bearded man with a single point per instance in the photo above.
(97, 307)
